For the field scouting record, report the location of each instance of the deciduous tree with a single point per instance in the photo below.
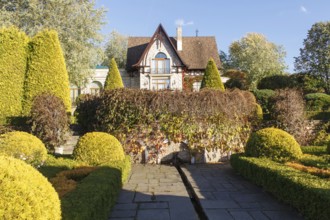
(315, 55)
(258, 57)
(116, 48)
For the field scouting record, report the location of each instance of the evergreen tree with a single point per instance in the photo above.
(211, 78)
(46, 70)
(13, 52)
(113, 80)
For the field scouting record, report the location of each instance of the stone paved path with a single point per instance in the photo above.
(154, 192)
(225, 195)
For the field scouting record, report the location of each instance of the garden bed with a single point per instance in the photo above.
(308, 193)
(92, 196)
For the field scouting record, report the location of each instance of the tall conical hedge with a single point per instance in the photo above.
(46, 70)
(13, 58)
(211, 78)
(113, 80)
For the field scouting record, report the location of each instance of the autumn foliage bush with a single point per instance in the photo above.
(49, 120)
(207, 119)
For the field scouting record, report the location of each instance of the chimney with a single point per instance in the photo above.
(179, 38)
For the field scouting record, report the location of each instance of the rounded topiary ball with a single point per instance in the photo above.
(97, 148)
(23, 146)
(273, 143)
(25, 193)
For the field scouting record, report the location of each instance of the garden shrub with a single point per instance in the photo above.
(288, 111)
(317, 102)
(46, 70)
(287, 184)
(96, 194)
(49, 120)
(96, 148)
(328, 148)
(276, 82)
(238, 79)
(25, 193)
(113, 80)
(308, 83)
(211, 78)
(321, 161)
(264, 99)
(23, 146)
(13, 50)
(273, 143)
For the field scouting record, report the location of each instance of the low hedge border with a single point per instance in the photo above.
(309, 194)
(96, 194)
(315, 150)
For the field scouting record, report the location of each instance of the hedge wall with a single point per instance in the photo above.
(207, 119)
(96, 194)
(308, 193)
(13, 52)
(46, 70)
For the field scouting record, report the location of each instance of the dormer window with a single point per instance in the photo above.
(160, 64)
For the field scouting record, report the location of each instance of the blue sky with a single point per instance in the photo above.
(284, 22)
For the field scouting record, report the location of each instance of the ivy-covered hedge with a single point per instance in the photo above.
(308, 193)
(13, 52)
(96, 194)
(207, 119)
(46, 70)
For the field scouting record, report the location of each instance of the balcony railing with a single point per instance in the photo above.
(160, 70)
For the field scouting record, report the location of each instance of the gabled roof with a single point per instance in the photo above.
(157, 35)
(195, 54)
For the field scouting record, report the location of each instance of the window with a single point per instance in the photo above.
(74, 93)
(95, 88)
(161, 64)
(196, 86)
(160, 83)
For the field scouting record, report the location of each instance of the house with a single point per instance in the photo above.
(161, 62)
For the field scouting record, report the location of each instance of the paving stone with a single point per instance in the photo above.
(128, 206)
(216, 214)
(126, 197)
(241, 215)
(152, 214)
(154, 205)
(180, 211)
(123, 213)
(258, 215)
(282, 215)
(215, 204)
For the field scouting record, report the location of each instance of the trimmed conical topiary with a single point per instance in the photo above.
(13, 52)
(211, 78)
(46, 70)
(113, 80)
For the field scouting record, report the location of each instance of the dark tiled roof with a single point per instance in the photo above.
(196, 51)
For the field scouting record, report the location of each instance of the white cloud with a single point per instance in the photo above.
(181, 22)
(303, 9)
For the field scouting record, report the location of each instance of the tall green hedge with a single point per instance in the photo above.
(13, 53)
(46, 70)
(212, 77)
(113, 80)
